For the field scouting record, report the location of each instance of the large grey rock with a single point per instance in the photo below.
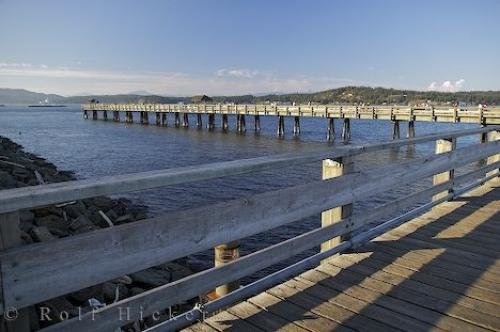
(51, 222)
(42, 234)
(81, 224)
(7, 181)
(151, 277)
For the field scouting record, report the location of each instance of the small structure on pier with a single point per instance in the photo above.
(203, 99)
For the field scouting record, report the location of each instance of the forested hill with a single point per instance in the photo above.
(345, 95)
(375, 96)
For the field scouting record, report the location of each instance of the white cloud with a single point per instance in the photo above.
(238, 73)
(70, 81)
(447, 86)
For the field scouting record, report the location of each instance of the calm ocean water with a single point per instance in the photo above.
(98, 148)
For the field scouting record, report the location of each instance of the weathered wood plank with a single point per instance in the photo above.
(293, 313)
(421, 307)
(289, 291)
(357, 265)
(320, 288)
(264, 320)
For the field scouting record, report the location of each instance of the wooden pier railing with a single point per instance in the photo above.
(483, 116)
(37, 272)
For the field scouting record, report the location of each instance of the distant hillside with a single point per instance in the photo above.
(345, 95)
(374, 96)
(21, 96)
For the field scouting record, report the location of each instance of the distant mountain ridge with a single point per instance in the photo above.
(344, 95)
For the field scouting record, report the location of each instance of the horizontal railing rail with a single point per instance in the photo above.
(42, 271)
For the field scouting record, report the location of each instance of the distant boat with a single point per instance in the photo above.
(47, 105)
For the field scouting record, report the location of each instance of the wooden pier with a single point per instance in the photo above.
(427, 260)
(483, 116)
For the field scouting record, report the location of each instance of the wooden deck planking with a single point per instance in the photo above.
(439, 271)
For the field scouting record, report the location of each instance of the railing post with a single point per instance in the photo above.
(10, 236)
(493, 135)
(331, 169)
(444, 146)
(224, 254)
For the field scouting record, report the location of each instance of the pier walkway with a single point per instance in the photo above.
(438, 272)
(182, 112)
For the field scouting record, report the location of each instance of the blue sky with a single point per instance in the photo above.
(235, 47)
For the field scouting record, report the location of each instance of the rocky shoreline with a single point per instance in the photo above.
(19, 169)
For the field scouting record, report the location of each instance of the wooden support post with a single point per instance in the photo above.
(211, 121)
(224, 254)
(296, 126)
(395, 129)
(131, 117)
(85, 114)
(185, 120)
(331, 169)
(411, 129)
(145, 117)
(163, 119)
(10, 237)
(238, 123)
(281, 126)
(242, 123)
(105, 115)
(225, 123)
(257, 123)
(493, 135)
(199, 121)
(346, 130)
(94, 115)
(444, 146)
(158, 118)
(177, 120)
(330, 133)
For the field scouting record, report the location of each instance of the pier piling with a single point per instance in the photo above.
(163, 119)
(411, 129)
(257, 123)
(177, 120)
(330, 133)
(281, 126)
(296, 126)
(185, 120)
(241, 124)
(94, 115)
(225, 123)
(224, 254)
(346, 130)
(395, 129)
(211, 121)
(199, 121)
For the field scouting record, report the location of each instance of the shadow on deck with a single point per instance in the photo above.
(440, 271)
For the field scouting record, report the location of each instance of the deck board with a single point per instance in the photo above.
(438, 272)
